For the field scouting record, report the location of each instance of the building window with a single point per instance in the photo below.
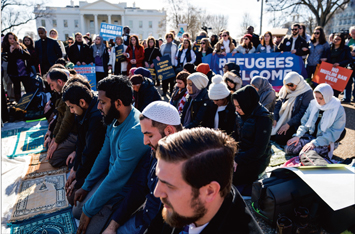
(103, 21)
(115, 22)
(66, 36)
(65, 23)
(76, 23)
(54, 22)
(91, 25)
(150, 24)
(43, 22)
(140, 24)
(130, 23)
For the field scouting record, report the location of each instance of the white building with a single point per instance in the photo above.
(87, 17)
(342, 20)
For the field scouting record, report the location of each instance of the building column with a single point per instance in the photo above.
(109, 19)
(82, 22)
(122, 21)
(95, 24)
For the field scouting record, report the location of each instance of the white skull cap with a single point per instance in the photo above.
(162, 112)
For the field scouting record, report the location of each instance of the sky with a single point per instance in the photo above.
(232, 8)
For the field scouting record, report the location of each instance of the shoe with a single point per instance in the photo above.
(284, 225)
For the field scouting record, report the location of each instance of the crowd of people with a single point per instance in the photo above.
(142, 165)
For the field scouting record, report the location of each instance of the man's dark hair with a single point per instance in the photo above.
(117, 87)
(72, 72)
(208, 155)
(58, 74)
(160, 126)
(298, 25)
(76, 91)
(81, 79)
(61, 61)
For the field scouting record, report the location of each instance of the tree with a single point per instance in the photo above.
(216, 22)
(322, 10)
(247, 21)
(15, 13)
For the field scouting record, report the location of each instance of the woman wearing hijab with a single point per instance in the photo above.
(232, 67)
(294, 98)
(321, 126)
(101, 58)
(178, 99)
(265, 91)
(254, 138)
(233, 81)
(198, 102)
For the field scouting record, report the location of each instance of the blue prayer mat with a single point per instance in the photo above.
(60, 222)
(28, 141)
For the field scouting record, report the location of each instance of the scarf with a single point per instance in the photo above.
(287, 107)
(99, 49)
(248, 100)
(226, 46)
(182, 101)
(265, 88)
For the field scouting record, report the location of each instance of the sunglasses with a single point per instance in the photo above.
(168, 37)
(316, 33)
(337, 39)
(70, 42)
(246, 38)
(294, 29)
(203, 43)
(224, 35)
(290, 85)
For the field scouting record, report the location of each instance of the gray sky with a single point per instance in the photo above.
(232, 8)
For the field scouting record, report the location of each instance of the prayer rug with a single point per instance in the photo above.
(29, 141)
(60, 222)
(278, 156)
(39, 166)
(40, 195)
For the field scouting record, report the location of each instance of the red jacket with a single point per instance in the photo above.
(139, 53)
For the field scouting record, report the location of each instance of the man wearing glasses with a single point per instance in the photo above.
(294, 43)
(70, 42)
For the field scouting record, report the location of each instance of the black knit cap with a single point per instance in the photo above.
(137, 79)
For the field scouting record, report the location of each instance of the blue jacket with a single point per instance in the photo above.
(53, 51)
(122, 150)
(262, 49)
(332, 134)
(299, 108)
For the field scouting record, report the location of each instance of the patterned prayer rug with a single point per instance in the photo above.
(29, 141)
(60, 222)
(39, 166)
(41, 195)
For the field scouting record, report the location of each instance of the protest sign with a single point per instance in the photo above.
(198, 43)
(89, 72)
(182, 29)
(152, 72)
(110, 31)
(26, 100)
(164, 68)
(119, 53)
(337, 77)
(273, 66)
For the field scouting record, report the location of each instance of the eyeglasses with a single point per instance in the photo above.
(316, 33)
(290, 85)
(246, 38)
(294, 29)
(203, 43)
(224, 35)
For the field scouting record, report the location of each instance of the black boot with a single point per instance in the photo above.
(284, 225)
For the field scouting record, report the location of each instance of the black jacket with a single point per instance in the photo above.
(199, 107)
(343, 59)
(147, 94)
(254, 141)
(299, 108)
(150, 54)
(255, 40)
(286, 45)
(53, 51)
(199, 56)
(227, 118)
(91, 136)
(22, 54)
(85, 54)
(105, 58)
(233, 217)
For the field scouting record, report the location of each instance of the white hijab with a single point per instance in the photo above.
(330, 107)
(286, 108)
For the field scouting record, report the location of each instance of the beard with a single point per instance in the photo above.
(154, 147)
(294, 33)
(176, 220)
(112, 114)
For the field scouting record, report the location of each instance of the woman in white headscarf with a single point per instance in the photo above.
(321, 126)
(294, 98)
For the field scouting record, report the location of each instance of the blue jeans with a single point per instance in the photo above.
(348, 88)
(130, 227)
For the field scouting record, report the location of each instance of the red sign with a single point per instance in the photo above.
(337, 77)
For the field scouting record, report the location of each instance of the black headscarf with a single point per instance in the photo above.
(233, 67)
(248, 99)
(190, 67)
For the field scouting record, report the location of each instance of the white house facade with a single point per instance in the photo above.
(87, 17)
(342, 20)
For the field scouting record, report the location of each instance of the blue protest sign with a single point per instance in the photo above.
(110, 31)
(89, 72)
(164, 68)
(273, 66)
(198, 43)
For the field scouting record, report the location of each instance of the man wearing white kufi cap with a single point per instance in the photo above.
(222, 114)
(158, 119)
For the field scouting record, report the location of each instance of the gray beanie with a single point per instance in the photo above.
(199, 79)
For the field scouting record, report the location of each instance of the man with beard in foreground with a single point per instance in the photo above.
(158, 119)
(109, 180)
(195, 171)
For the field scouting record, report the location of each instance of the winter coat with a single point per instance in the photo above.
(22, 54)
(286, 45)
(150, 54)
(139, 54)
(84, 55)
(174, 48)
(199, 55)
(219, 47)
(112, 60)
(147, 93)
(65, 122)
(54, 51)
(262, 49)
(343, 59)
